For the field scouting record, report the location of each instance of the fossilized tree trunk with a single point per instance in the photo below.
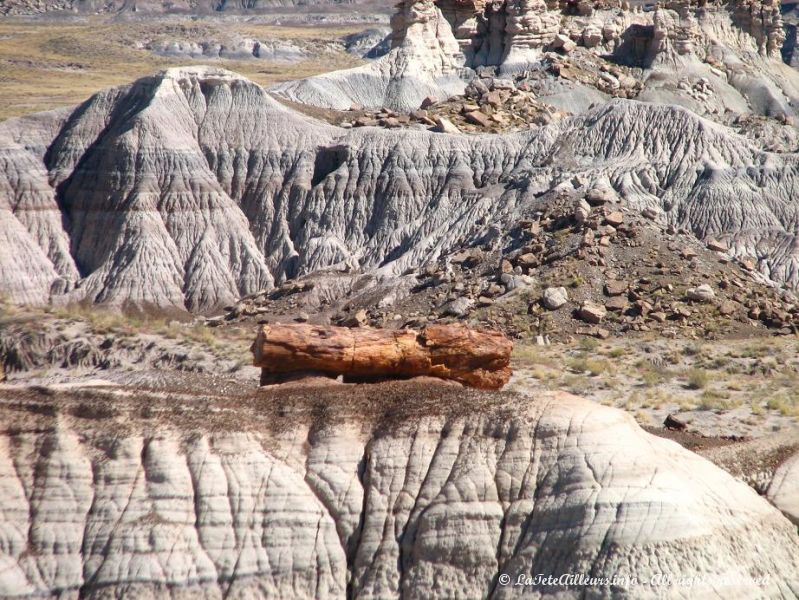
(475, 358)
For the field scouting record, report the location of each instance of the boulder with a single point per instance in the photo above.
(444, 125)
(614, 219)
(617, 304)
(597, 196)
(717, 246)
(459, 307)
(555, 297)
(564, 43)
(591, 312)
(582, 210)
(592, 36)
(615, 287)
(478, 118)
(702, 293)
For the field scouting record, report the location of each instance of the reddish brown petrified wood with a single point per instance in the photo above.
(476, 358)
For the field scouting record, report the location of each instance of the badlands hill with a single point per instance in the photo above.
(735, 49)
(433, 492)
(194, 187)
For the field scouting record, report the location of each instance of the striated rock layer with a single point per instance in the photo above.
(734, 47)
(192, 188)
(439, 496)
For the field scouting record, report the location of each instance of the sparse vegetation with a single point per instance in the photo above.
(591, 365)
(48, 64)
(697, 379)
(672, 376)
(714, 399)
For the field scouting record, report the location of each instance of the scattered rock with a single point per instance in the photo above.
(582, 210)
(702, 293)
(555, 297)
(359, 319)
(514, 282)
(478, 118)
(717, 246)
(428, 102)
(591, 312)
(459, 307)
(649, 213)
(615, 287)
(564, 43)
(748, 263)
(672, 422)
(617, 304)
(444, 125)
(597, 332)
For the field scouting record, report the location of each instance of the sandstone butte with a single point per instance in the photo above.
(476, 358)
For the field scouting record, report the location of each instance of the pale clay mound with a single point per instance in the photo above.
(735, 48)
(783, 491)
(96, 503)
(192, 188)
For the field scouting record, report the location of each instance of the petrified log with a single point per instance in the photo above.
(476, 358)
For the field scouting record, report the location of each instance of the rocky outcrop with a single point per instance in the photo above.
(236, 48)
(529, 28)
(122, 494)
(425, 60)
(737, 46)
(783, 490)
(685, 27)
(435, 46)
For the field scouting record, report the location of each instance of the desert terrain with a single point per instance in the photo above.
(610, 185)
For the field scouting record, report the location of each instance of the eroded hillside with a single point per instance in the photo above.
(325, 493)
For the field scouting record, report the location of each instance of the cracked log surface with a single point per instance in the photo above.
(363, 491)
(475, 358)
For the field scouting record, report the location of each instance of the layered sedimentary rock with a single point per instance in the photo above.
(685, 27)
(130, 495)
(742, 40)
(435, 44)
(192, 188)
(425, 60)
(529, 28)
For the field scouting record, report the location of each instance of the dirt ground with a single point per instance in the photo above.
(47, 64)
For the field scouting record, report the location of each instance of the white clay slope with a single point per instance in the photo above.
(430, 507)
(194, 187)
